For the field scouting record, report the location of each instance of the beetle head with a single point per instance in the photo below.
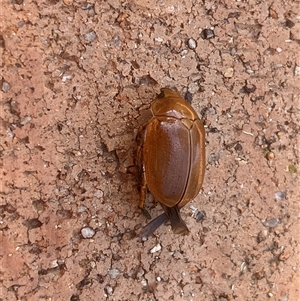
(169, 103)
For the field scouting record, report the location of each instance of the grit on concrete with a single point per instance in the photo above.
(76, 80)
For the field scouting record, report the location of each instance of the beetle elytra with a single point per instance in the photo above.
(172, 158)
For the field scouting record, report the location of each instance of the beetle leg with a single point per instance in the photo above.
(153, 225)
(141, 173)
(139, 154)
(177, 223)
(143, 191)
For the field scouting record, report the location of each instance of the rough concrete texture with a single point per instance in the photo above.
(76, 78)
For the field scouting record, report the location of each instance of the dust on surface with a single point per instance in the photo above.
(75, 78)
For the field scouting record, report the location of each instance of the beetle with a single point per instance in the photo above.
(172, 158)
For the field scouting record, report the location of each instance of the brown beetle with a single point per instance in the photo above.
(172, 157)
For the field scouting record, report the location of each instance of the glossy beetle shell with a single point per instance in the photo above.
(173, 152)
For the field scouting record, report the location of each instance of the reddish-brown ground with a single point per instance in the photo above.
(75, 79)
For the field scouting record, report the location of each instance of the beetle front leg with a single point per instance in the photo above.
(141, 172)
(143, 191)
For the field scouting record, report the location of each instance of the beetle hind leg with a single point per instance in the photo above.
(153, 225)
(177, 223)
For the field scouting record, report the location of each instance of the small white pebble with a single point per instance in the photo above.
(93, 264)
(228, 73)
(109, 290)
(114, 273)
(297, 70)
(87, 232)
(183, 52)
(155, 249)
(10, 133)
(66, 77)
(53, 264)
(271, 223)
(279, 195)
(192, 43)
(5, 86)
(26, 120)
(193, 88)
(159, 39)
(98, 194)
(90, 36)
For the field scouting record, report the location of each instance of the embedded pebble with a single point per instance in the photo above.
(297, 70)
(270, 156)
(26, 120)
(271, 223)
(279, 195)
(117, 41)
(159, 39)
(87, 232)
(211, 111)
(289, 23)
(90, 36)
(140, 273)
(109, 290)
(87, 5)
(10, 133)
(249, 88)
(98, 194)
(200, 216)
(81, 208)
(260, 140)
(238, 147)
(21, 23)
(114, 273)
(5, 86)
(193, 87)
(68, 2)
(53, 264)
(183, 52)
(32, 223)
(192, 43)
(66, 77)
(155, 249)
(207, 34)
(233, 51)
(228, 73)
(188, 97)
